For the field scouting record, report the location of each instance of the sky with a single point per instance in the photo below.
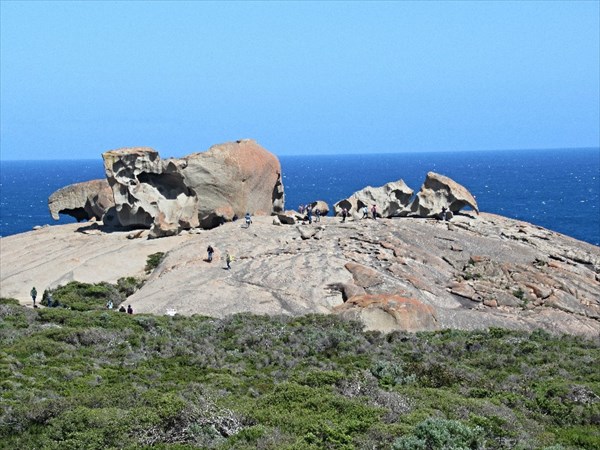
(80, 78)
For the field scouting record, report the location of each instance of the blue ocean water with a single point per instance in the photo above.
(556, 189)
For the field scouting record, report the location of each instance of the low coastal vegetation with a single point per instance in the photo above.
(79, 376)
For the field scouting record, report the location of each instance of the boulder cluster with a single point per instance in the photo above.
(437, 195)
(207, 189)
(167, 196)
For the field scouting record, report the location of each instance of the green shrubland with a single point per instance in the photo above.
(90, 378)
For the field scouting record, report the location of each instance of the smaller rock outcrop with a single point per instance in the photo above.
(83, 201)
(322, 206)
(385, 312)
(440, 192)
(392, 199)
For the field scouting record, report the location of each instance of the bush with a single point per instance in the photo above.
(8, 301)
(128, 285)
(154, 260)
(434, 434)
(83, 296)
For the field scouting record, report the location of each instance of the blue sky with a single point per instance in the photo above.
(80, 78)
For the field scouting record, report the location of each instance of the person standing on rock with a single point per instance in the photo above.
(129, 309)
(374, 211)
(33, 294)
(309, 214)
(365, 211)
(317, 215)
(444, 213)
(248, 220)
(210, 252)
(344, 214)
(228, 260)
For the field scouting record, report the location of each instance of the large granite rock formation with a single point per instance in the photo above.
(401, 273)
(83, 201)
(438, 192)
(391, 199)
(232, 179)
(203, 189)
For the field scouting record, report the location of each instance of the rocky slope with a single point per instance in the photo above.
(402, 273)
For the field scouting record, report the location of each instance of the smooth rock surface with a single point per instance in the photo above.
(507, 273)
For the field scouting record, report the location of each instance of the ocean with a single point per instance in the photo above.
(557, 189)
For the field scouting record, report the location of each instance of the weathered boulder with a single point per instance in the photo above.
(83, 201)
(392, 199)
(287, 218)
(322, 206)
(385, 312)
(232, 179)
(150, 192)
(203, 189)
(440, 192)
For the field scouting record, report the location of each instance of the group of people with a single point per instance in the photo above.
(50, 302)
(129, 310)
(228, 257)
(364, 210)
(310, 211)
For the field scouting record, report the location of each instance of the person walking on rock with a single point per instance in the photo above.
(344, 214)
(365, 211)
(374, 211)
(210, 252)
(228, 260)
(33, 295)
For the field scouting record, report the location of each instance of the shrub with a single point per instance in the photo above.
(434, 434)
(8, 301)
(154, 260)
(83, 296)
(128, 285)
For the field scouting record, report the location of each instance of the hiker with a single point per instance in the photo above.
(109, 304)
(317, 215)
(129, 309)
(122, 309)
(309, 215)
(444, 213)
(301, 209)
(49, 301)
(374, 211)
(33, 295)
(344, 214)
(365, 211)
(248, 220)
(210, 252)
(228, 260)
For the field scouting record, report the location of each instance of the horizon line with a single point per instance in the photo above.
(345, 154)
